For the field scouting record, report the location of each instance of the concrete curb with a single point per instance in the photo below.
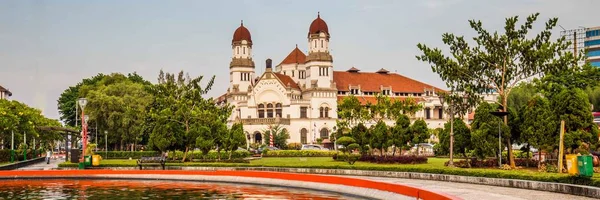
(572, 189)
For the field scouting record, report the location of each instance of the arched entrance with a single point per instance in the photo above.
(257, 137)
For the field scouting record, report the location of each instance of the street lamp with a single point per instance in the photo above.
(106, 143)
(500, 114)
(83, 102)
(335, 138)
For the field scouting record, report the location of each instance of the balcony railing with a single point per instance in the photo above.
(266, 121)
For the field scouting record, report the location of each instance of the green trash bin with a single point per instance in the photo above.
(88, 161)
(585, 163)
(81, 165)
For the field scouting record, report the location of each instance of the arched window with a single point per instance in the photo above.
(278, 111)
(324, 133)
(303, 136)
(261, 110)
(324, 112)
(269, 110)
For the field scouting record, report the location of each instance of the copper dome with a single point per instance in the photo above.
(241, 33)
(318, 25)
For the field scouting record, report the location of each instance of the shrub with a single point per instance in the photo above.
(299, 153)
(492, 162)
(384, 160)
(177, 154)
(294, 146)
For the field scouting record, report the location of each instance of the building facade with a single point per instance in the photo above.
(302, 92)
(592, 45)
(4, 93)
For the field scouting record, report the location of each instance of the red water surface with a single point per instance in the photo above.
(390, 187)
(121, 189)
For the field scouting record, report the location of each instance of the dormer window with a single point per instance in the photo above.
(386, 92)
(354, 91)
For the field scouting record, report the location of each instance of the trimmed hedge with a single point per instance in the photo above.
(384, 160)
(492, 162)
(299, 153)
(126, 154)
(5, 154)
(177, 154)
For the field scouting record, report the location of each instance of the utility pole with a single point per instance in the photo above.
(561, 146)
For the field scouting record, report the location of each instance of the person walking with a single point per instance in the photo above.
(48, 154)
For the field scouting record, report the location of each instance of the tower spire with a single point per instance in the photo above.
(318, 14)
(242, 24)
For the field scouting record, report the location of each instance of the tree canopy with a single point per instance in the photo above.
(498, 61)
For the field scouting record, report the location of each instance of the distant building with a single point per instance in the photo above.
(302, 92)
(4, 93)
(592, 45)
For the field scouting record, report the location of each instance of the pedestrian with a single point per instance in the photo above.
(48, 153)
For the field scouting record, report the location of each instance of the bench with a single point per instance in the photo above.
(151, 161)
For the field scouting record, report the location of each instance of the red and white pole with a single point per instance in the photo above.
(271, 139)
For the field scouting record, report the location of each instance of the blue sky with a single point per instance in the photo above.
(46, 46)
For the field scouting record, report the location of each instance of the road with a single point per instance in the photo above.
(477, 192)
(43, 166)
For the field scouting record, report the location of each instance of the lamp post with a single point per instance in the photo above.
(82, 102)
(500, 114)
(12, 146)
(452, 104)
(106, 143)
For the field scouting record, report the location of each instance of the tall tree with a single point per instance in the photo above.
(484, 135)
(539, 127)
(573, 107)
(380, 137)
(499, 61)
(462, 138)
(235, 138)
(419, 132)
(400, 133)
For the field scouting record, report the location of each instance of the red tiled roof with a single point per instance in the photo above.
(242, 33)
(373, 100)
(295, 57)
(287, 80)
(371, 82)
(318, 25)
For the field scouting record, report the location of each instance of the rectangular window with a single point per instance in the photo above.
(302, 74)
(323, 71)
(303, 113)
(292, 73)
(261, 113)
(593, 53)
(592, 42)
(284, 73)
(354, 91)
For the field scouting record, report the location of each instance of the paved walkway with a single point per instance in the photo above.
(477, 192)
(43, 166)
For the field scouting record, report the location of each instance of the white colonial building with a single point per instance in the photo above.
(4, 93)
(301, 93)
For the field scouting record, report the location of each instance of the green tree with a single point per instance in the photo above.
(400, 133)
(235, 138)
(379, 139)
(573, 107)
(462, 138)
(539, 126)
(499, 61)
(350, 114)
(362, 135)
(419, 132)
(484, 135)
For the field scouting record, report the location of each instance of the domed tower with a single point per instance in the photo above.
(319, 63)
(241, 67)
